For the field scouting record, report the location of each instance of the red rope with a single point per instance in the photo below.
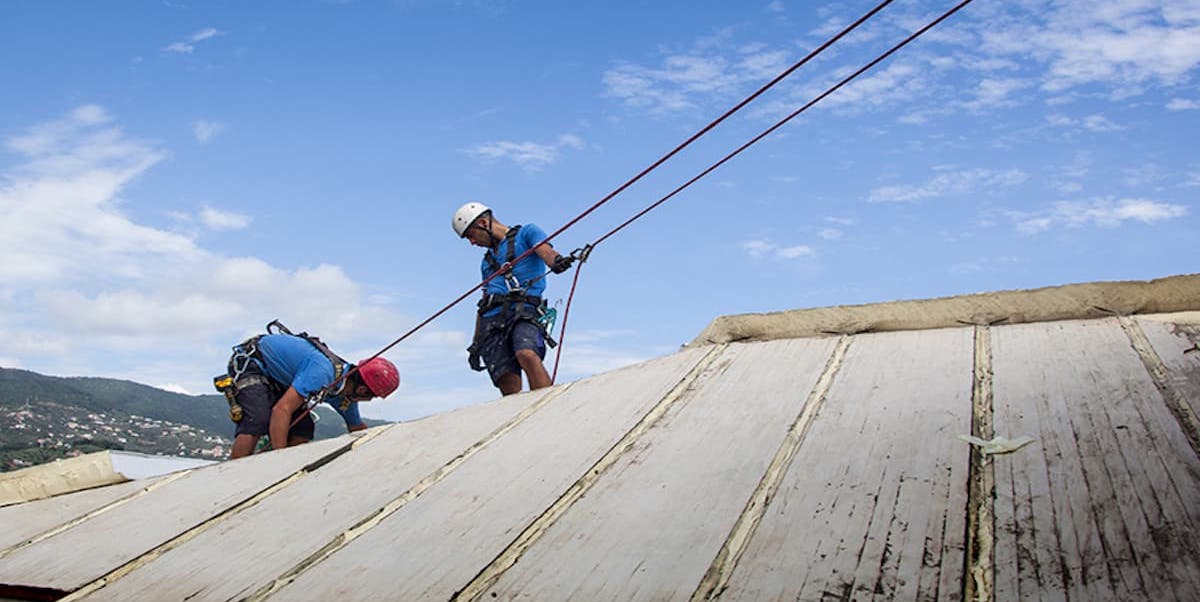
(562, 334)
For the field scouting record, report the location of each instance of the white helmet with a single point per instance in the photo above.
(466, 215)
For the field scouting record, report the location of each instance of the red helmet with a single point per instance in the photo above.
(380, 376)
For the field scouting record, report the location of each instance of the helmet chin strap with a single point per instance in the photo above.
(492, 240)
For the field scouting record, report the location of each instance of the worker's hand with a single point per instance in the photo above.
(473, 359)
(562, 263)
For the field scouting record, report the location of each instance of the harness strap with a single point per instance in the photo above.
(510, 279)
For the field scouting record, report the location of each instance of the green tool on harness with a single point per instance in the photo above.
(546, 320)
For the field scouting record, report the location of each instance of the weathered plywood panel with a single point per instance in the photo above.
(82, 553)
(1178, 346)
(58, 477)
(1103, 505)
(20, 522)
(231, 559)
(652, 524)
(442, 539)
(874, 503)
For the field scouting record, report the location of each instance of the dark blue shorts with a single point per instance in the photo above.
(257, 396)
(499, 349)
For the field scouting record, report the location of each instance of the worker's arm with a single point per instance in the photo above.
(353, 419)
(556, 262)
(281, 417)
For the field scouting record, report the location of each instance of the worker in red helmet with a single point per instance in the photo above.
(273, 375)
(511, 332)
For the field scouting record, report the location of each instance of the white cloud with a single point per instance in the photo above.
(997, 56)
(683, 82)
(223, 220)
(763, 248)
(84, 284)
(187, 45)
(205, 130)
(994, 93)
(1100, 123)
(1182, 104)
(830, 233)
(530, 156)
(950, 183)
(1104, 213)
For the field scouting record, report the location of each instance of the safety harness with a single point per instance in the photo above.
(248, 351)
(515, 300)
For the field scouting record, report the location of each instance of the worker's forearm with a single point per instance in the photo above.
(281, 422)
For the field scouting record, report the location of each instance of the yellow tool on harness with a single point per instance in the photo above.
(224, 384)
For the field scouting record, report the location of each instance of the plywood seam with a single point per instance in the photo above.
(716, 579)
(153, 554)
(1159, 373)
(51, 532)
(344, 538)
(979, 573)
(531, 534)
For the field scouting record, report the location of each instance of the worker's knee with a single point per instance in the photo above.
(528, 355)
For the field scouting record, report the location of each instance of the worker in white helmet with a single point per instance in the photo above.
(510, 336)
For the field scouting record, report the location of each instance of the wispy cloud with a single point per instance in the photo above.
(766, 248)
(1182, 104)
(188, 44)
(1100, 123)
(530, 156)
(1104, 213)
(950, 183)
(223, 220)
(682, 82)
(205, 130)
(997, 56)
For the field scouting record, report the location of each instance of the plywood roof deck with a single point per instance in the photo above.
(768, 460)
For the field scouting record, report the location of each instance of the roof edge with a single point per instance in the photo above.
(1067, 302)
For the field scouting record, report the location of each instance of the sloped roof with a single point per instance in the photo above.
(792, 465)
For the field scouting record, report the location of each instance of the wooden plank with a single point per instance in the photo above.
(444, 538)
(653, 524)
(1102, 507)
(874, 503)
(246, 552)
(1175, 339)
(60, 476)
(82, 553)
(20, 522)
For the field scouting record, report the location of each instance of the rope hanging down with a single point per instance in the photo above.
(503, 269)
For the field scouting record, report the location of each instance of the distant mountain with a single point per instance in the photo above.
(47, 417)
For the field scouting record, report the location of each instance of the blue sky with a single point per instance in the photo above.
(175, 174)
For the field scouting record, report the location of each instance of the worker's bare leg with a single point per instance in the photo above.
(534, 369)
(510, 383)
(243, 445)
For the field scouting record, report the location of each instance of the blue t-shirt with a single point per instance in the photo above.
(294, 361)
(525, 271)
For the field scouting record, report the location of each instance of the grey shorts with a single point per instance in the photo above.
(499, 349)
